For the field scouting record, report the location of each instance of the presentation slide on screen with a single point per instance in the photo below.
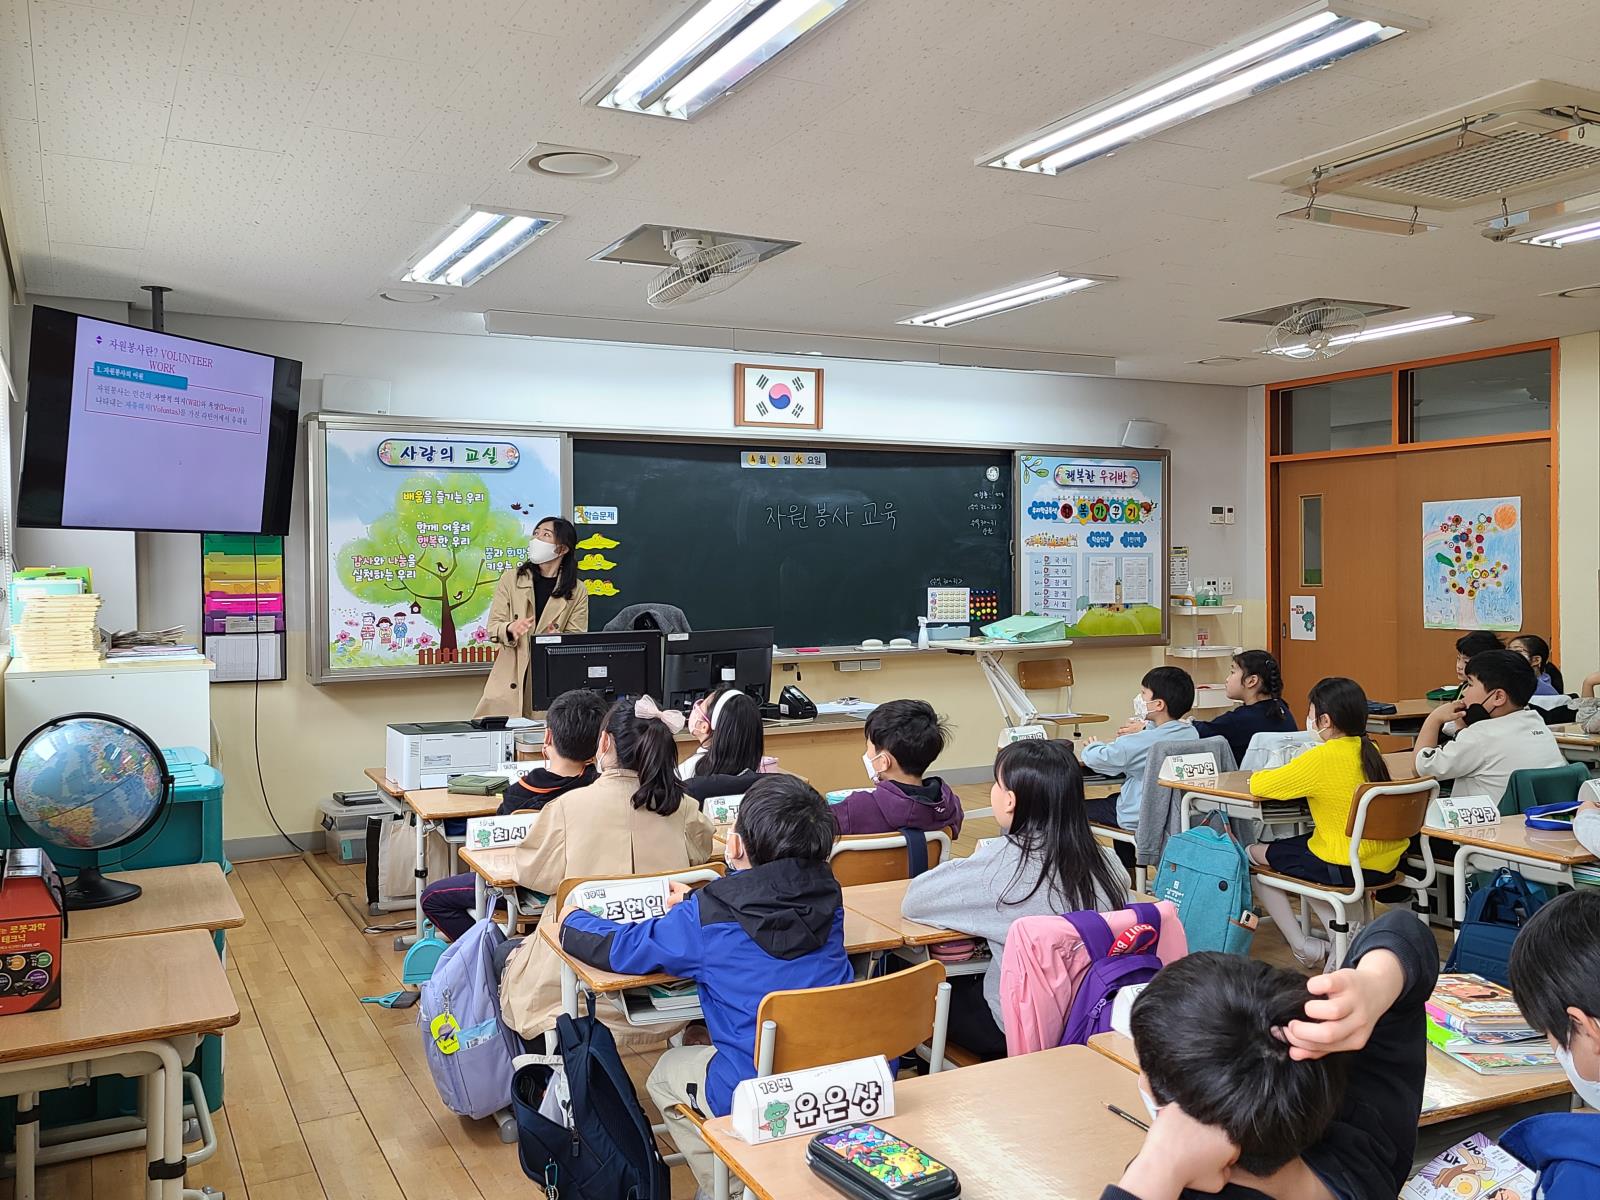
(165, 432)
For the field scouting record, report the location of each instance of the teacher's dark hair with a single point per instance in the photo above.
(566, 535)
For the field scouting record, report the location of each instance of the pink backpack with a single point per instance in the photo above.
(1045, 962)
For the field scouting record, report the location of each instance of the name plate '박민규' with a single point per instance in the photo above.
(1462, 812)
(801, 1103)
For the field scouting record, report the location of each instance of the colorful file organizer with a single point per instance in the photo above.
(242, 614)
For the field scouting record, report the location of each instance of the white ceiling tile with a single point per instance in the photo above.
(260, 113)
(442, 36)
(366, 93)
(266, 39)
(97, 202)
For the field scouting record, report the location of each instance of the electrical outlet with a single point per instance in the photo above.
(1225, 585)
(1214, 584)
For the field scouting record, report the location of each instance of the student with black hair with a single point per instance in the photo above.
(1047, 862)
(1555, 976)
(1537, 651)
(903, 739)
(1262, 1083)
(1496, 732)
(1479, 641)
(774, 924)
(732, 755)
(632, 819)
(1160, 709)
(571, 737)
(1257, 684)
(1327, 776)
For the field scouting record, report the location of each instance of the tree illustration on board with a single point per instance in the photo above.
(454, 574)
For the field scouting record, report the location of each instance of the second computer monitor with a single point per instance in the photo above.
(613, 664)
(703, 661)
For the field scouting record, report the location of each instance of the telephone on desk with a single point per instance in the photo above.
(792, 705)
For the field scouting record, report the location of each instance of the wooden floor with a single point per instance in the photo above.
(330, 1099)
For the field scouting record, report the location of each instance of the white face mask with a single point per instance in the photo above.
(1587, 1089)
(1311, 727)
(872, 771)
(542, 552)
(1150, 1105)
(1141, 707)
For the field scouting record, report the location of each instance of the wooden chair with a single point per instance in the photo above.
(1050, 675)
(880, 857)
(1385, 812)
(811, 1027)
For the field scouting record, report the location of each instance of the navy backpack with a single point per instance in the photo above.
(610, 1152)
(1495, 912)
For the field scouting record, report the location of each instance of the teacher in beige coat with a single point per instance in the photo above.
(541, 596)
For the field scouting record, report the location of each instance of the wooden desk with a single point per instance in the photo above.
(1061, 1142)
(188, 897)
(882, 902)
(1576, 745)
(1406, 719)
(1547, 854)
(1450, 1090)
(132, 1006)
(493, 870)
(431, 807)
(862, 935)
(1230, 790)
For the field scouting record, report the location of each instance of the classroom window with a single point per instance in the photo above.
(1311, 541)
(1481, 397)
(1342, 414)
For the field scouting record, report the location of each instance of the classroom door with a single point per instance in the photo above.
(1333, 521)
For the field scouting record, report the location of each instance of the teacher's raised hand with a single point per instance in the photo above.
(520, 628)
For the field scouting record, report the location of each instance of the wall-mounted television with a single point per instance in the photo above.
(132, 429)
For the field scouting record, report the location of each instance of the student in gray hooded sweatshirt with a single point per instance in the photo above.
(1046, 862)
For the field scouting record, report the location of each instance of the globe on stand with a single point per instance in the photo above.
(88, 781)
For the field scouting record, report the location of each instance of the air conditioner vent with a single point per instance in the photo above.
(1531, 136)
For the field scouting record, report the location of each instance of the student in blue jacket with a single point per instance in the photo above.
(1555, 976)
(776, 922)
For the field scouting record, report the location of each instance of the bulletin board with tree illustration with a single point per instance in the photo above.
(411, 526)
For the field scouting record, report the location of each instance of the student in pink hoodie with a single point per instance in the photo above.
(903, 739)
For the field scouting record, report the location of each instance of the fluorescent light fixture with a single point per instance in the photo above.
(1416, 325)
(1310, 38)
(708, 52)
(1019, 296)
(1563, 223)
(477, 246)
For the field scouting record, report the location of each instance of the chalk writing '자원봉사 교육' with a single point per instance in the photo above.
(822, 515)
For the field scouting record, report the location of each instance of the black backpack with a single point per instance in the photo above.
(610, 1152)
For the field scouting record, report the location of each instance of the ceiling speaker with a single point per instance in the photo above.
(1146, 435)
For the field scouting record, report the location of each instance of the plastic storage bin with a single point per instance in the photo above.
(344, 823)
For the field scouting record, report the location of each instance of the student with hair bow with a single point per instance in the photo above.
(633, 819)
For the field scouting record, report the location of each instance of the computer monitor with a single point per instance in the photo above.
(613, 664)
(702, 661)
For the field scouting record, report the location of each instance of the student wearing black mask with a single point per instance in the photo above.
(1497, 733)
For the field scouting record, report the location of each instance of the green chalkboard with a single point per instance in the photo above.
(828, 553)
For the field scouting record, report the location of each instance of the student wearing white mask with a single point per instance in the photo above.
(542, 595)
(1555, 975)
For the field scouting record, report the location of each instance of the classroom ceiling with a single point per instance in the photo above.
(288, 159)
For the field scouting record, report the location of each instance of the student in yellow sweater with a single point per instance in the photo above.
(1327, 776)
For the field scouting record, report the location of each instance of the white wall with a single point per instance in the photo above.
(1579, 505)
(316, 740)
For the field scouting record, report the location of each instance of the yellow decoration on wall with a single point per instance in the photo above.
(598, 541)
(600, 587)
(595, 562)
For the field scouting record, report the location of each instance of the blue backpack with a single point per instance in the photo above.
(1205, 872)
(610, 1152)
(1495, 912)
(1108, 974)
(468, 1047)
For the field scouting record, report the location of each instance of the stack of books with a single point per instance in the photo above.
(59, 632)
(1477, 1022)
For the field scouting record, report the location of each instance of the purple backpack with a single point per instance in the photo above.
(1108, 974)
